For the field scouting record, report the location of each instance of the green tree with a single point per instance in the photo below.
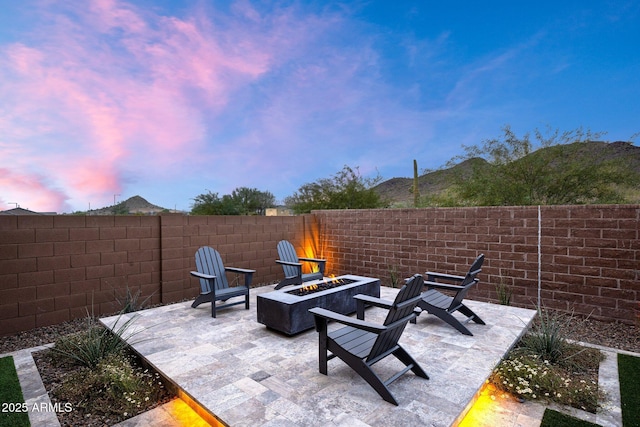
(347, 189)
(251, 201)
(211, 204)
(241, 201)
(558, 168)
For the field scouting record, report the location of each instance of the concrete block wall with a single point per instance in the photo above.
(589, 255)
(57, 268)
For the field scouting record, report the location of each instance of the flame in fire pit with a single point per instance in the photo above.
(322, 286)
(309, 288)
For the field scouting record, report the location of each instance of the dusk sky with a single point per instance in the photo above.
(104, 99)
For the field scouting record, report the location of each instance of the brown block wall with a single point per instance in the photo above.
(590, 255)
(57, 268)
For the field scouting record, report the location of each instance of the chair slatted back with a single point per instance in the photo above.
(469, 280)
(399, 315)
(208, 261)
(287, 252)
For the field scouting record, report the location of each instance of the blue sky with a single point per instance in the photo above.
(171, 99)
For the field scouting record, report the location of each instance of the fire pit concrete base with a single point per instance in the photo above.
(287, 313)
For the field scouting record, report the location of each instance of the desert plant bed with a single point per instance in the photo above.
(101, 380)
(545, 366)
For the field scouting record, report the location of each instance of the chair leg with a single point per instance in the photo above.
(246, 301)
(296, 280)
(448, 317)
(213, 309)
(321, 326)
(374, 381)
(364, 370)
(471, 315)
(406, 358)
(201, 299)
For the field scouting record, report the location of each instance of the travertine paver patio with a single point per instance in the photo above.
(243, 374)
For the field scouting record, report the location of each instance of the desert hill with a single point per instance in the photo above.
(398, 190)
(135, 205)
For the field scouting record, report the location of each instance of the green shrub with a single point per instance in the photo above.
(394, 277)
(504, 293)
(546, 339)
(131, 301)
(89, 347)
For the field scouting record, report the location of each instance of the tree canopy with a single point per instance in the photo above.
(241, 201)
(347, 189)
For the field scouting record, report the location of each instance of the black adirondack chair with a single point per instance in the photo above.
(213, 281)
(443, 306)
(361, 344)
(293, 267)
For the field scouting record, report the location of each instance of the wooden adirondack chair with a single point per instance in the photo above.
(293, 267)
(443, 306)
(213, 281)
(361, 344)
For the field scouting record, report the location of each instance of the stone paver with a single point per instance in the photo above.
(244, 374)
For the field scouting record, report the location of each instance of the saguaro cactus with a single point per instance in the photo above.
(416, 191)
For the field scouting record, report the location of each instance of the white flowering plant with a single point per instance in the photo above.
(573, 380)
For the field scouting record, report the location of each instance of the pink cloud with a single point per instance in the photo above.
(16, 185)
(116, 85)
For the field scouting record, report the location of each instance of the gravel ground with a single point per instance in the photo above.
(40, 336)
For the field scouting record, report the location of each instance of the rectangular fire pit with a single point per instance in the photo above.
(288, 313)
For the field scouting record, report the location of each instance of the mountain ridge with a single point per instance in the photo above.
(397, 190)
(135, 205)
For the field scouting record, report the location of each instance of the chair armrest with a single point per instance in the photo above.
(202, 275)
(431, 276)
(362, 300)
(411, 301)
(346, 320)
(375, 301)
(211, 282)
(248, 274)
(239, 270)
(446, 286)
(319, 261)
(295, 264)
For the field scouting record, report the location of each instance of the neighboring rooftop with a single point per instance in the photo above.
(22, 211)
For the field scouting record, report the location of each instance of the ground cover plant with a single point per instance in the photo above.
(14, 410)
(545, 366)
(629, 371)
